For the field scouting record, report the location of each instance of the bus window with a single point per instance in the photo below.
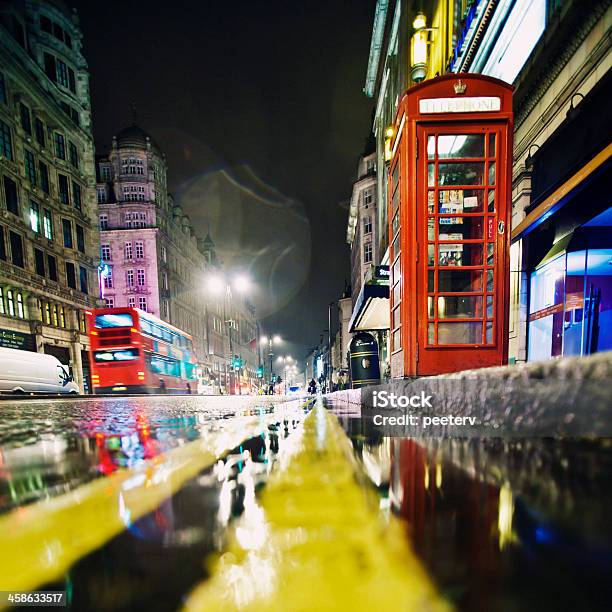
(123, 319)
(116, 355)
(190, 371)
(146, 326)
(167, 336)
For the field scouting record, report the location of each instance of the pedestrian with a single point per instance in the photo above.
(188, 389)
(162, 385)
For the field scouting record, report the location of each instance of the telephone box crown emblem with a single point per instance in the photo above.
(460, 87)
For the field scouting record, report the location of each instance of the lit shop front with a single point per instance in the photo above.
(450, 155)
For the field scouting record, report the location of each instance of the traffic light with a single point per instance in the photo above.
(236, 362)
(260, 372)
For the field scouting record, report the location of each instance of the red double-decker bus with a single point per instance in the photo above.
(133, 351)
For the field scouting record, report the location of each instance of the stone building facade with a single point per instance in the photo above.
(48, 231)
(362, 233)
(156, 262)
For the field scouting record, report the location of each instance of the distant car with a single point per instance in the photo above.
(28, 372)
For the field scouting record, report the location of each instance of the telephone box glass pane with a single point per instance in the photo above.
(397, 340)
(431, 175)
(460, 200)
(431, 201)
(459, 307)
(492, 145)
(430, 281)
(490, 254)
(461, 145)
(431, 333)
(430, 229)
(489, 306)
(459, 281)
(430, 307)
(467, 332)
(458, 254)
(431, 147)
(489, 280)
(460, 228)
(491, 200)
(489, 332)
(492, 173)
(431, 254)
(464, 173)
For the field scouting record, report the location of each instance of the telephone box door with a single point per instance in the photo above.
(462, 245)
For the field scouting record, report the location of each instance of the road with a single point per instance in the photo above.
(119, 502)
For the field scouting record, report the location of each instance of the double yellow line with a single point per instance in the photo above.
(39, 543)
(316, 541)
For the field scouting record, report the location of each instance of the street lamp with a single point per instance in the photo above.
(270, 341)
(221, 285)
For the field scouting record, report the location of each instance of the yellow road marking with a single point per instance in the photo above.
(316, 541)
(39, 543)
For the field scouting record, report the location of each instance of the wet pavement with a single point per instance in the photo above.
(500, 525)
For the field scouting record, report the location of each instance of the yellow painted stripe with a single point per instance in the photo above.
(316, 541)
(38, 543)
(575, 180)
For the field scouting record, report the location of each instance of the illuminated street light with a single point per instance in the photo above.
(242, 283)
(216, 284)
(420, 21)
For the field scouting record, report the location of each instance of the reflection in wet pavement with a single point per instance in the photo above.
(50, 447)
(154, 563)
(501, 525)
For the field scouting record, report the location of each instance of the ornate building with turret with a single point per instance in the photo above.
(48, 230)
(155, 261)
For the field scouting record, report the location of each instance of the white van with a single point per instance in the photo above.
(28, 372)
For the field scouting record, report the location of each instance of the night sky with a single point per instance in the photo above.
(266, 93)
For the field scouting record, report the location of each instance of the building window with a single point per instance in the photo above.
(165, 281)
(20, 308)
(140, 277)
(2, 311)
(101, 193)
(80, 238)
(48, 224)
(3, 96)
(367, 252)
(108, 279)
(62, 182)
(105, 173)
(103, 219)
(76, 195)
(127, 251)
(62, 73)
(52, 267)
(44, 177)
(133, 193)
(2, 245)
(55, 313)
(10, 302)
(16, 249)
(39, 130)
(62, 316)
(6, 146)
(105, 252)
(70, 275)
(142, 303)
(367, 225)
(47, 312)
(34, 217)
(30, 167)
(164, 309)
(60, 145)
(129, 278)
(132, 165)
(10, 194)
(164, 254)
(73, 154)
(24, 116)
(83, 280)
(367, 197)
(39, 262)
(82, 323)
(110, 302)
(139, 249)
(67, 229)
(132, 302)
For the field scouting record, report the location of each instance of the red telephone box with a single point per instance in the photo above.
(450, 181)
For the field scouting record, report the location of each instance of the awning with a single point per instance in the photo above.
(371, 309)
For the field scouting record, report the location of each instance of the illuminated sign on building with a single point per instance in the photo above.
(476, 104)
